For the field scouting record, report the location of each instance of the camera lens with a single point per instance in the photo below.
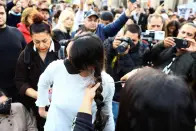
(122, 47)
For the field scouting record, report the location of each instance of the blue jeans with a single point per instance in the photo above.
(115, 108)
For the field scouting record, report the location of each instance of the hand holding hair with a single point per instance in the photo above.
(88, 98)
(128, 75)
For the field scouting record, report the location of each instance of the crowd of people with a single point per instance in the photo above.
(82, 67)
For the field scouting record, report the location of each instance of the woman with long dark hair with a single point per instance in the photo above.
(151, 101)
(70, 77)
(172, 28)
(37, 55)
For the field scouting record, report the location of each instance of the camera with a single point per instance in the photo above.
(150, 36)
(124, 45)
(181, 43)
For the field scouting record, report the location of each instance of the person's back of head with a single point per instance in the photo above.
(87, 50)
(151, 10)
(154, 101)
(105, 8)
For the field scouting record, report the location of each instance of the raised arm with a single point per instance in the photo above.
(113, 28)
(82, 2)
(79, 17)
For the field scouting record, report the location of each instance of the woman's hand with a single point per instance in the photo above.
(42, 112)
(90, 92)
(126, 77)
(88, 98)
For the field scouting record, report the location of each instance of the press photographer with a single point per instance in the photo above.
(124, 53)
(177, 55)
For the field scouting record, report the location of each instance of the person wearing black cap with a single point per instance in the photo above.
(106, 17)
(91, 23)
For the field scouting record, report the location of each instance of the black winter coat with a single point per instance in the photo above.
(28, 70)
(60, 35)
(13, 20)
(184, 64)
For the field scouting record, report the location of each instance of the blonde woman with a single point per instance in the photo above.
(62, 31)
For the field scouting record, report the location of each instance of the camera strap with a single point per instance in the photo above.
(167, 69)
(114, 60)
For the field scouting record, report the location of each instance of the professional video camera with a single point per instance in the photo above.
(151, 36)
(124, 45)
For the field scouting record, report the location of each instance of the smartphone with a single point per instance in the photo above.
(181, 43)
